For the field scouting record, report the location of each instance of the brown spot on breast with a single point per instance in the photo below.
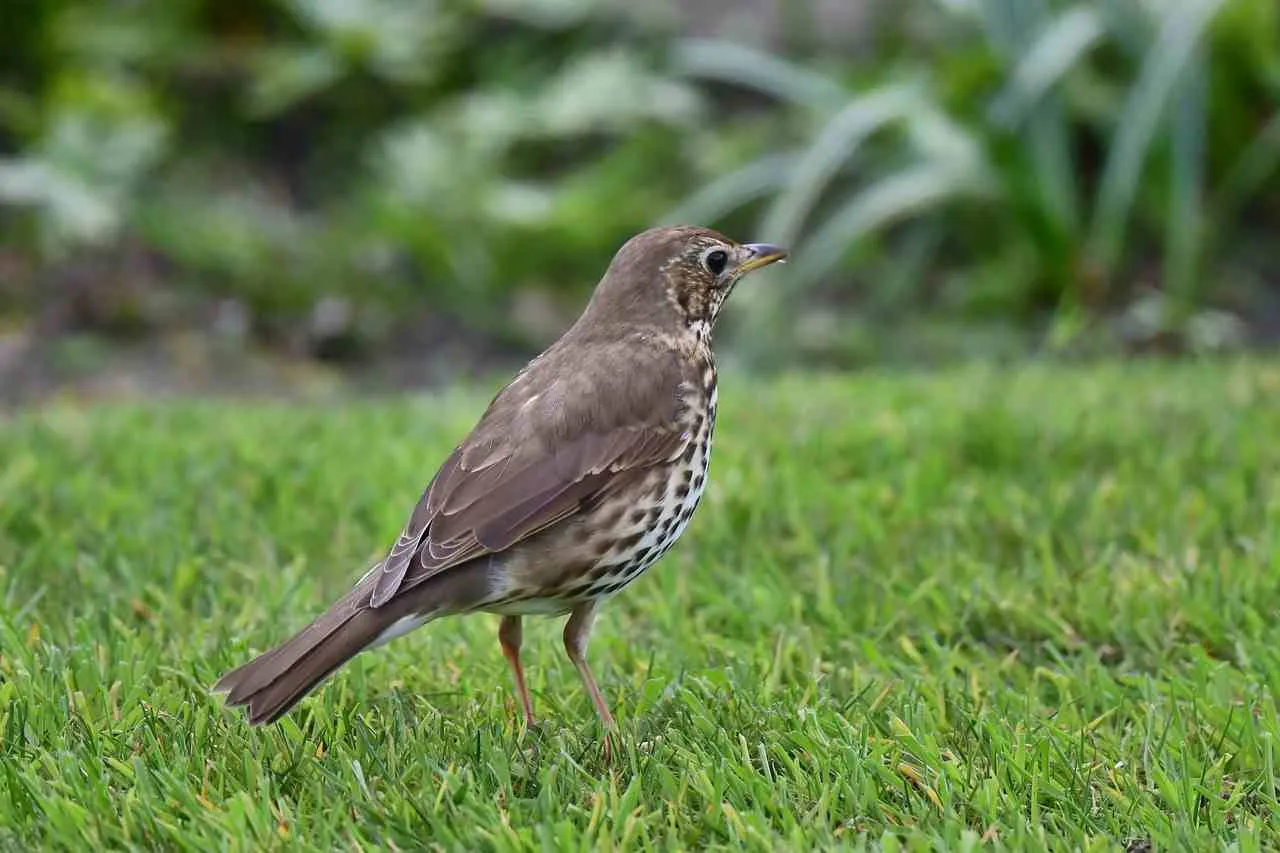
(638, 515)
(682, 491)
(613, 517)
(573, 570)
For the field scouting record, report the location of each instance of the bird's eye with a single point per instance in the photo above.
(716, 260)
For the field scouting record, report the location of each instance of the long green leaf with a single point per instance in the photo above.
(1058, 49)
(1181, 31)
(1034, 46)
(1006, 21)
(736, 189)
(752, 69)
(1257, 162)
(893, 198)
(834, 147)
(935, 137)
(1028, 102)
(1186, 176)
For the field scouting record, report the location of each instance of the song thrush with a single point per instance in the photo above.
(580, 475)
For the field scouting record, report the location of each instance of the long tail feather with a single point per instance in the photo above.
(272, 683)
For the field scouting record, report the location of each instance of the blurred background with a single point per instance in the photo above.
(252, 195)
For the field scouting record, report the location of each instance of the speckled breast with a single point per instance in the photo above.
(620, 537)
(661, 516)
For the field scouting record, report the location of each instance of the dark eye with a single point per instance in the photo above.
(715, 261)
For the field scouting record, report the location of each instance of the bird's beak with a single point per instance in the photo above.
(761, 255)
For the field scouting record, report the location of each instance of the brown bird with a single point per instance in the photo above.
(579, 476)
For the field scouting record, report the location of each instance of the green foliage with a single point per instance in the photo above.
(1035, 154)
(388, 153)
(1006, 168)
(1035, 607)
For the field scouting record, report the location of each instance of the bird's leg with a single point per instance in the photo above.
(576, 633)
(510, 635)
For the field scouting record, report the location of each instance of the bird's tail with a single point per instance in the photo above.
(276, 680)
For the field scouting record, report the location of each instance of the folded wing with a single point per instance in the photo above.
(543, 449)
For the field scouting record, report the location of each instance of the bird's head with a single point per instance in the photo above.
(678, 275)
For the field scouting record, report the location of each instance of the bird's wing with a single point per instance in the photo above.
(550, 442)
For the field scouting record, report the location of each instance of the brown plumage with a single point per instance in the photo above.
(581, 473)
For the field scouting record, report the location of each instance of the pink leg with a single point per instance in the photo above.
(576, 633)
(510, 635)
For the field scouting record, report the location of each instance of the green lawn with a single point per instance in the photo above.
(979, 609)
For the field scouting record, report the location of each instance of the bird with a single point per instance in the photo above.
(581, 473)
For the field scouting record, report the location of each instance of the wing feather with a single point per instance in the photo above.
(534, 459)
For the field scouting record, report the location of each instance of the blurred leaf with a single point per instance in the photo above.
(1161, 69)
(830, 151)
(491, 120)
(1186, 177)
(237, 236)
(584, 97)
(734, 190)
(993, 159)
(1252, 29)
(551, 14)
(421, 164)
(890, 199)
(936, 137)
(725, 62)
(397, 39)
(284, 76)
(519, 203)
(1048, 59)
(1259, 161)
(1028, 104)
(960, 7)
(74, 211)
(80, 172)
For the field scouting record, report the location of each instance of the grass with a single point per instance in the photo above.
(1031, 609)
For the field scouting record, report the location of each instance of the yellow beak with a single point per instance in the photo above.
(762, 254)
